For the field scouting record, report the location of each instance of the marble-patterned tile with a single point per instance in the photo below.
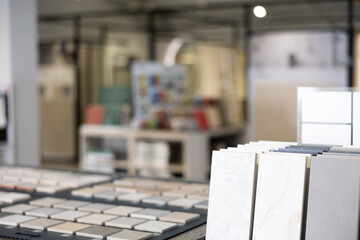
(333, 202)
(231, 195)
(279, 197)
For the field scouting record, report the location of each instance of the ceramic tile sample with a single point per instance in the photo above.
(47, 201)
(279, 197)
(124, 222)
(158, 200)
(71, 204)
(333, 202)
(121, 210)
(325, 107)
(179, 192)
(69, 215)
(230, 207)
(96, 218)
(11, 197)
(43, 212)
(18, 208)
(130, 235)
(68, 227)
(184, 202)
(149, 213)
(133, 197)
(202, 205)
(155, 226)
(108, 195)
(86, 192)
(96, 207)
(15, 220)
(97, 232)
(51, 189)
(40, 223)
(336, 134)
(179, 217)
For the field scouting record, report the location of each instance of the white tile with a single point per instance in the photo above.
(18, 208)
(96, 207)
(279, 197)
(149, 213)
(184, 202)
(158, 200)
(133, 197)
(325, 107)
(332, 134)
(155, 226)
(96, 218)
(231, 195)
(47, 201)
(71, 204)
(43, 212)
(15, 220)
(121, 210)
(11, 197)
(69, 215)
(124, 222)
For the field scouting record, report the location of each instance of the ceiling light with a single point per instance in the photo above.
(259, 11)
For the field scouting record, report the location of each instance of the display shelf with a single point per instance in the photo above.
(191, 150)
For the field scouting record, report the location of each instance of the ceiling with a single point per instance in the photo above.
(215, 20)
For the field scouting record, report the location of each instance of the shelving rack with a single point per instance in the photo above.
(195, 147)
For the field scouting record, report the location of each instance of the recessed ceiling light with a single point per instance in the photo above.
(259, 11)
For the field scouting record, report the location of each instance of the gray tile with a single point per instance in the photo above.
(333, 202)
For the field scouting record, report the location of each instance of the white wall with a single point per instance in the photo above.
(311, 48)
(272, 83)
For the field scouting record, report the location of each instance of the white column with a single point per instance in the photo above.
(18, 69)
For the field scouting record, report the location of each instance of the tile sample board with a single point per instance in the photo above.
(333, 203)
(231, 195)
(279, 197)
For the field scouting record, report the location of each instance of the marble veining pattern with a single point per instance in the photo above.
(279, 197)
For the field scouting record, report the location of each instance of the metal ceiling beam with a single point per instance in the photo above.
(175, 9)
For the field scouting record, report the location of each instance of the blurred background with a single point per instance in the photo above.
(151, 87)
